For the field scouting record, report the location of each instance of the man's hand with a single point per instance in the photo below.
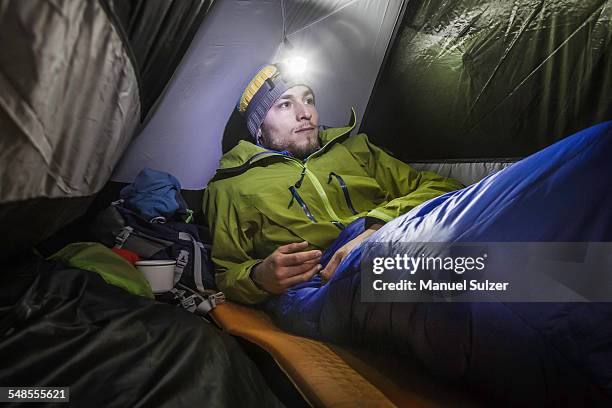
(344, 250)
(287, 266)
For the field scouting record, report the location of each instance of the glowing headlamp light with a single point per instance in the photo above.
(295, 65)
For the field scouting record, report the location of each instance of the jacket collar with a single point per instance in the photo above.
(242, 156)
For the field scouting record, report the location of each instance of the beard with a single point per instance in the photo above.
(300, 149)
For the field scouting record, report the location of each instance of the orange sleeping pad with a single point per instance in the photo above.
(331, 376)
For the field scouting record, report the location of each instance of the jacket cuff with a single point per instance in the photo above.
(251, 272)
(379, 214)
(369, 221)
(254, 293)
(242, 288)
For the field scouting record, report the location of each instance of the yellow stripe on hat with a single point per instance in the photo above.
(253, 86)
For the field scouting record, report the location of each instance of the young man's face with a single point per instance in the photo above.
(291, 123)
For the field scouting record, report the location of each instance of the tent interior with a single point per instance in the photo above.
(91, 92)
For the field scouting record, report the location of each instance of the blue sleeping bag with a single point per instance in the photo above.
(526, 353)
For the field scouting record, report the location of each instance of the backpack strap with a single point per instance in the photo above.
(197, 259)
(181, 261)
(141, 243)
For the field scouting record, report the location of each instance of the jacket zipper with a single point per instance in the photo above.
(296, 196)
(319, 188)
(343, 186)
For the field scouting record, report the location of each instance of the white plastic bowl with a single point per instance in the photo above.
(159, 273)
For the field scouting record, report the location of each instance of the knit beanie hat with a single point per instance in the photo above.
(260, 94)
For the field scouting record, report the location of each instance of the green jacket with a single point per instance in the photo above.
(251, 209)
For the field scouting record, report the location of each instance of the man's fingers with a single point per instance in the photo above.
(287, 272)
(290, 271)
(299, 257)
(294, 254)
(302, 277)
(329, 270)
(294, 247)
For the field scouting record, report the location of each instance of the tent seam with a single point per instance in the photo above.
(322, 18)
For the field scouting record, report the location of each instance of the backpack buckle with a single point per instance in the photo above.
(217, 299)
(181, 262)
(211, 302)
(189, 303)
(123, 235)
(182, 259)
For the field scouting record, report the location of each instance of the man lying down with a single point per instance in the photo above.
(289, 210)
(277, 202)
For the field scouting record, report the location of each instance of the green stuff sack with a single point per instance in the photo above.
(111, 267)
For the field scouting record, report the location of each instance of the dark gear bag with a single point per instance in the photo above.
(121, 227)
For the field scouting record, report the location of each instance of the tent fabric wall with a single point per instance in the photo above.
(489, 79)
(72, 80)
(69, 104)
(158, 32)
(69, 101)
(183, 137)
